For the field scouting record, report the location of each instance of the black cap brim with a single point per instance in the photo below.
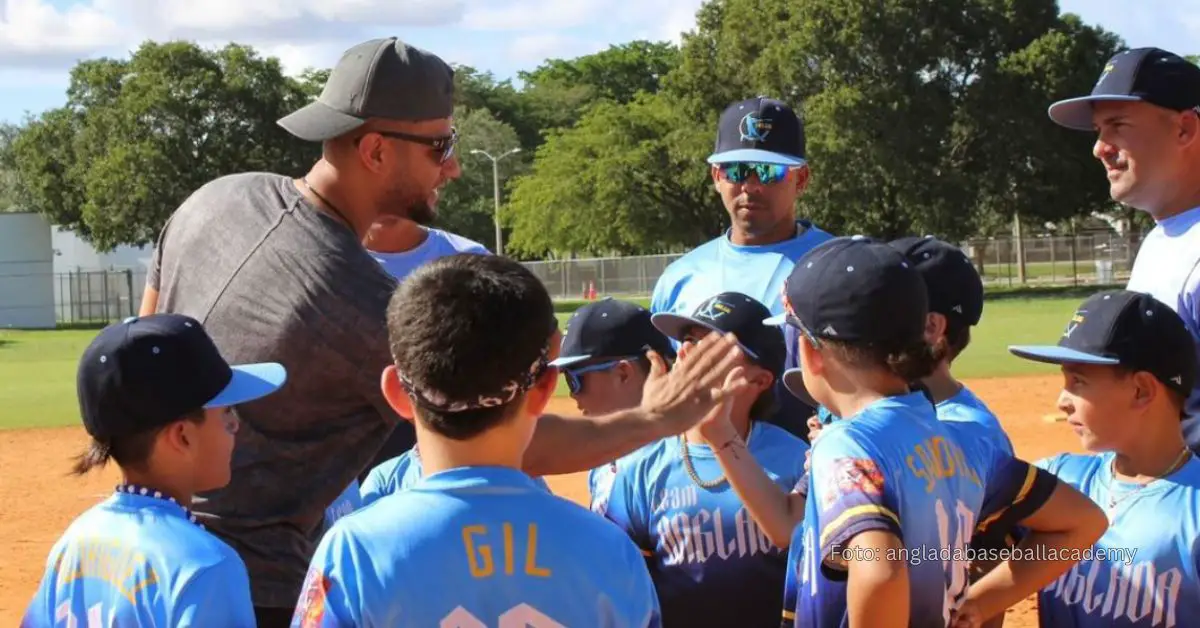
(1076, 113)
(793, 380)
(317, 122)
(1054, 354)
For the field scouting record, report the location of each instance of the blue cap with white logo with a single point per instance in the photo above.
(1126, 328)
(1150, 75)
(144, 373)
(759, 130)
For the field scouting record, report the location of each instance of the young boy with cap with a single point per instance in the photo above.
(472, 337)
(1128, 367)
(711, 564)
(890, 483)
(603, 360)
(154, 393)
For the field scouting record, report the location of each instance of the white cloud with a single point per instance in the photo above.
(530, 50)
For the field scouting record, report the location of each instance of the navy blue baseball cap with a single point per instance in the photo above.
(148, 372)
(954, 287)
(759, 130)
(1150, 75)
(1130, 329)
(856, 290)
(739, 314)
(610, 328)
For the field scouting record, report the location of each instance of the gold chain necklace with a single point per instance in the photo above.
(1113, 502)
(691, 469)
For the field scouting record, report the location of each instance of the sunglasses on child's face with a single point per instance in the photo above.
(765, 173)
(573, 375)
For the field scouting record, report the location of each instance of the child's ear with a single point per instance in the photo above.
(395, 393)
(538, 396)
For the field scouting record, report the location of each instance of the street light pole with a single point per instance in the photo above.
(496, 190)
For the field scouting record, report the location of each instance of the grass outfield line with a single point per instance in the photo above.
(38, 367)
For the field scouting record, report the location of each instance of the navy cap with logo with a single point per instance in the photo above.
(739, 314)
(380, 78)
(1126, 328)
(759, 130)
(856, 290)
(610, 328)
(954, 287)
(1151, 75)
(147, 372)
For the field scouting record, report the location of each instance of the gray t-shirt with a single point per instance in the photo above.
(274, 279)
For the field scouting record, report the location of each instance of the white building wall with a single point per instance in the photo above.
(26, 272)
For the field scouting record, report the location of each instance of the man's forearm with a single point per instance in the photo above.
(572, 444)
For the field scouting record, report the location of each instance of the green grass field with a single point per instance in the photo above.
(38, 367)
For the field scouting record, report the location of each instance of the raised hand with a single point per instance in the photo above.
(682, 396)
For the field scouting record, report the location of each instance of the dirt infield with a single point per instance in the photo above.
(40, 499)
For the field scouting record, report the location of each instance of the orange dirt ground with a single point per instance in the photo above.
(39, 498)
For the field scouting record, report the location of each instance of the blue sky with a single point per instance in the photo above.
(41, 39)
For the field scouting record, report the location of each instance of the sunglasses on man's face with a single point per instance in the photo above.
(765, 173)
(443, 146)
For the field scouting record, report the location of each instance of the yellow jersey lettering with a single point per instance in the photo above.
(125, 569)
(531, 567)
(480, 544)
(479, 557)
(940, 459)
(508, 549)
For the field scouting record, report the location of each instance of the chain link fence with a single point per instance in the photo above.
(101, 296)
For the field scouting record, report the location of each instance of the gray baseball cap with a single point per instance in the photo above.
(381, 78)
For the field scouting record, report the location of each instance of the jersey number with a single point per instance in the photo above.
(95, 616)
(957, 564)
(519, 616)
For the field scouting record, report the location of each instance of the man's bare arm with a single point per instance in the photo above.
(149, 302)
(672, 402)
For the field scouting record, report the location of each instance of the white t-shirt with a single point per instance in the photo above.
(1167, 268)
(438, 244)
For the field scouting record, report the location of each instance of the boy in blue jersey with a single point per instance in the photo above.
(1128, 367)
(154, 393)
(472, 338)
(711, 564)
(398, 474)
(759, 167)
(955, 294)
(603, 361)
(893, 497)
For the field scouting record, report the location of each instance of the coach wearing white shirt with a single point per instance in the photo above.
(1146, 110)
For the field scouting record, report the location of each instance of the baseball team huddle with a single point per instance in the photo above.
(329, 413)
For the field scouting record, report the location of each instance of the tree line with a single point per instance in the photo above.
(921, 118)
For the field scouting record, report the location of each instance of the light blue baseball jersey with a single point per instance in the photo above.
(474, 547)
(721, 266)
(963, 407)
(757, 271)
(139, 560)
(1144, 571)
(895, 467)
(398, 474)
(711, 563)
(1167, 267)
(438, 244)
(346, 503)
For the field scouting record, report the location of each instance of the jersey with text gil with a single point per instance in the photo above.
(137, 561)
(1145, 571)
(711, 563)
(896, 468)
(474, 547)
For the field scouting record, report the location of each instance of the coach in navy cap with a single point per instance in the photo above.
(759, 167)
(1145, 110)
